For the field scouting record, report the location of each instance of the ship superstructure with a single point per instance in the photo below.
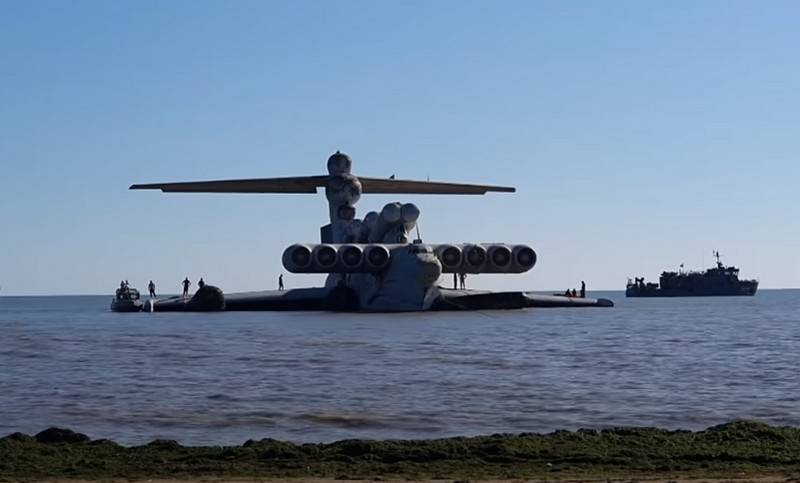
(715, 281)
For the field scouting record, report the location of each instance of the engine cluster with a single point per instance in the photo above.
(336, 258)
(485, 258)
(375, 257)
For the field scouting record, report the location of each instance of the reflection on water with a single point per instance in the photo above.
(223, 378)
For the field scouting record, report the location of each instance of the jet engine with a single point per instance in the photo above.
(297, 258)
(324, 258)
(474, 259)
(376, 258)
(350, 257)
(523, 258)
(485, 258)
(328, 258)
(390, 215)
(409, 214)
(499, 258)
(450, 257)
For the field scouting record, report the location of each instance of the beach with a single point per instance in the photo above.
(663, 479)
(735, 450)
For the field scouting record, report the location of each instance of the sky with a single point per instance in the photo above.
(639, 135)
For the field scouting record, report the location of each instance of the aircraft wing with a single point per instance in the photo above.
(300, 184)
(309, 184)
(388, 185)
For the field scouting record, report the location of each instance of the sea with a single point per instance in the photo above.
(224, 378)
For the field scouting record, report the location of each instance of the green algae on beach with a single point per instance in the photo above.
(737, 448)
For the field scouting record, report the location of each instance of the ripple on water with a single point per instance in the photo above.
(225, 378)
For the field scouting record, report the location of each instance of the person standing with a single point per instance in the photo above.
(186, 284)
(583, 289)
(463, 277)
(280, 282)
(201, 283)
(152, 288)
(455, 281)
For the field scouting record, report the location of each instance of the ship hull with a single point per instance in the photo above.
(740, 289)
(338, 300)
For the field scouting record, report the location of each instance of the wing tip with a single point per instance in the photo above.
(143, 187)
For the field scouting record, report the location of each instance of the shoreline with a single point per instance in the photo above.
(740, 449)
(646, 479)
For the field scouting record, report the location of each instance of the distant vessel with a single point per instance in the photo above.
(716, 281)
(126, 299)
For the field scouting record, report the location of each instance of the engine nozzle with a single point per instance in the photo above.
(485, 258)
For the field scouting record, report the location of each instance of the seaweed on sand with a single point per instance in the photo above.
(737, 448)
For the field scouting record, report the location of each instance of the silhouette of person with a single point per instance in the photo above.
(455, 280)
(152, 288)
(201, 283)
(280, 282)
(186, 284)
(122, 284)
(583, 289)
(574, 294)
(566, 293)
(463, 278)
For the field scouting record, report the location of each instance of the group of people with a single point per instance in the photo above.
(124, 286)
(459, 279)
(151, 287)
(573, 293)
(200, 284)
(186, 284)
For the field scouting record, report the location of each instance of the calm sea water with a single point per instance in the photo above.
(223, 378)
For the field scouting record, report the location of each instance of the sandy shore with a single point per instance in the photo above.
(740, 451)
(655, 479)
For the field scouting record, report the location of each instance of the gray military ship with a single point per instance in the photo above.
(713, 282)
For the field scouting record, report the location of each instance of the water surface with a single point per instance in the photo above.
(222, 378)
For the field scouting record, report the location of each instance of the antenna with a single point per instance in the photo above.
(419, 238)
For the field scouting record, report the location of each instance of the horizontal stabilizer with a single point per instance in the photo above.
(309, 184)
(300, 184)
(388, 185)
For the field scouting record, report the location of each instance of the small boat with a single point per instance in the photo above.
(126, 299)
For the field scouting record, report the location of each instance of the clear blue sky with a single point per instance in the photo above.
(640, 135)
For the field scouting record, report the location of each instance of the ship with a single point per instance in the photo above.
(374, 263)
(713, 282)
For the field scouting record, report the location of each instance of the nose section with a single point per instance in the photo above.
(429, 268)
